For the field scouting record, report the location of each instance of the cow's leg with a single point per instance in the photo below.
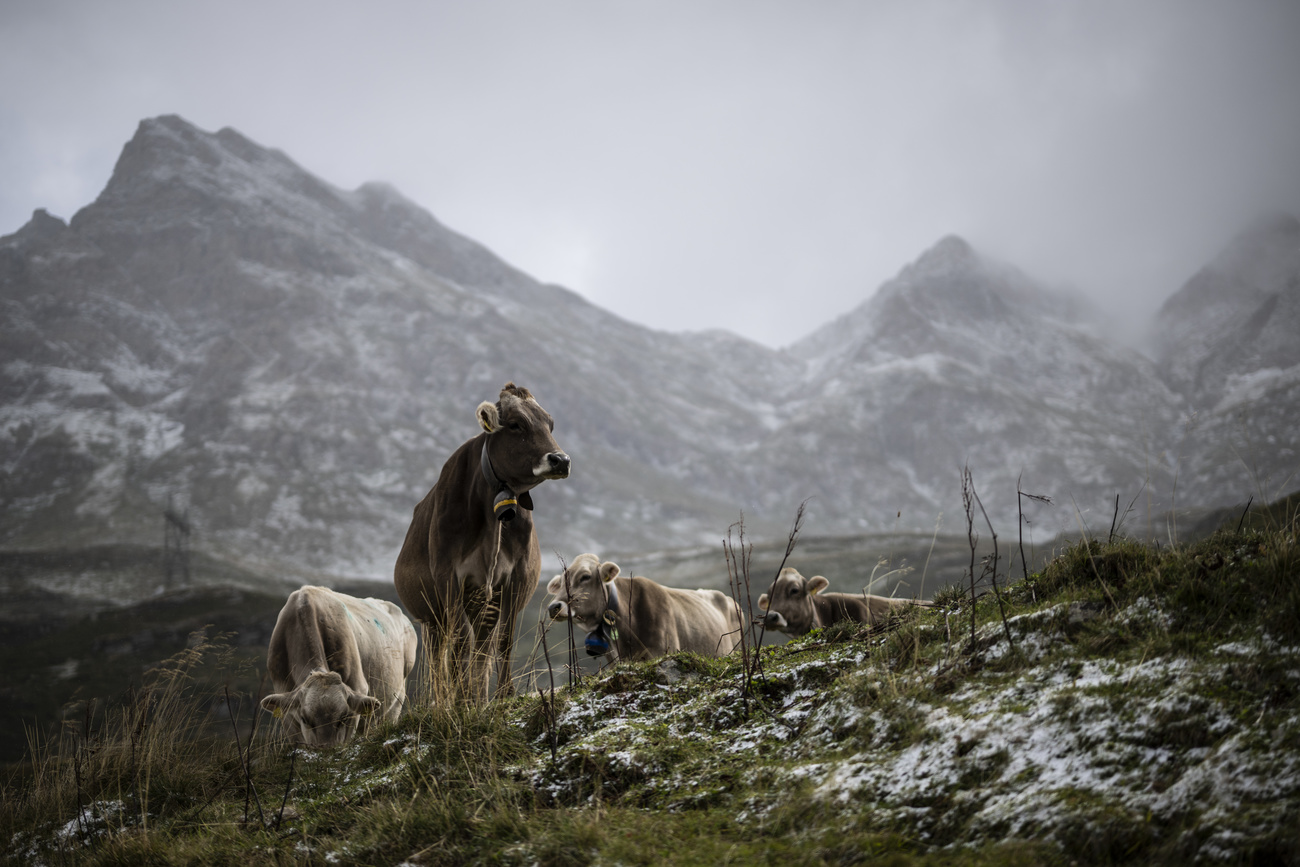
(449, 648)
(485, 618)
(519, 589)
(504, 639)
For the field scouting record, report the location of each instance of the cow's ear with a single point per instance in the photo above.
(817, 584)
(363, 704)
(279, 702)
(608, 571)
(762, 602)
(488, 417)
(555, 585)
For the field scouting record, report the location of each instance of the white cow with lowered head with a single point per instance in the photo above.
(335, 659)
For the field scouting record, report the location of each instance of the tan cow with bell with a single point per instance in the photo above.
(798, 605)
(635, 618)
(335, 659)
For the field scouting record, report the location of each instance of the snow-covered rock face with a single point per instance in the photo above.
(1228, 341)
(1237, 316)
(292, 363)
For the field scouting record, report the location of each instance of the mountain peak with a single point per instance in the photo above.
(1237, 315)
(171, 167)
(41, 227)
(1259, 262)
(950, 254)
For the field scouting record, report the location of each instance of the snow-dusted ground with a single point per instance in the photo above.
(1064, 744)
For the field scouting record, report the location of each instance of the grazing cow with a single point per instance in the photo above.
(471, 559)
(635, 618)
(797, 604)
(335, 658)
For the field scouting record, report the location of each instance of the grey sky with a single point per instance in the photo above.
(755, 166)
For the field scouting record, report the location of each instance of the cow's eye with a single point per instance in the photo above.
(515, 426)
(794, 591)
(582, 578)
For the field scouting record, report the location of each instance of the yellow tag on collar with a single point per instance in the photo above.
(499, 506)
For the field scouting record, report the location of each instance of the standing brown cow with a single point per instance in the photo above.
(471, 559)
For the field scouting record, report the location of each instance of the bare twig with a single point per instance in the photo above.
(548, 707)
(1129, 509)
(738, 582)
(938, 521)
(1020, 495)
(1244, 512)
(246, 761)
(969, 507)
(1092, 561)
(573, 647)
(790, 542)
(293, 761)
(1006, 627)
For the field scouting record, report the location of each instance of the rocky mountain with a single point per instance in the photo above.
(1230, 341)
(291, 363)
(962, 361)
(288, 364)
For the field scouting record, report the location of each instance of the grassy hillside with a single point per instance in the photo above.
(1125, 704)
(81, 627)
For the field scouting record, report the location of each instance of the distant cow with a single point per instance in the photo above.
(635, 618)
(335, 658)
(471, 559)
(797, 604)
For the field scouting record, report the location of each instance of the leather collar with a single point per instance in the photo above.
(525, 500)
(601, 640)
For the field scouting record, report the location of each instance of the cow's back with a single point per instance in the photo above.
(411, 575)
(669, 619)
(386, 644)
(858, 607)
(299, 643)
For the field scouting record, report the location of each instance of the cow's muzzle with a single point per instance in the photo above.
(774, 620)
(558, 610)
(555, 465)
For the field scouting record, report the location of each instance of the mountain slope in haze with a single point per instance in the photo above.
(1230, 340)
(963, 361)
(290, 364)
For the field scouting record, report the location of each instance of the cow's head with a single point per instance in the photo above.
(586, 597)
(790, 607)
(322, 711)
(521, 449)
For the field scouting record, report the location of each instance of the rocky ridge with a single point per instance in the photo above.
(289, 363)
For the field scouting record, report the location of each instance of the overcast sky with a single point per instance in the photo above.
(759, 167)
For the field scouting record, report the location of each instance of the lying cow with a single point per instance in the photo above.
(798, 606)
(471, 559)
(334, 659)
(635, 618)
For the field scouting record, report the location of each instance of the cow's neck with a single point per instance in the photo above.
(505, 501)
(633, 615)
(614, 621)
(823, 611)
(468, 524)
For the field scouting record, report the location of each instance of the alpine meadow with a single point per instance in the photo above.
(225, 378)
